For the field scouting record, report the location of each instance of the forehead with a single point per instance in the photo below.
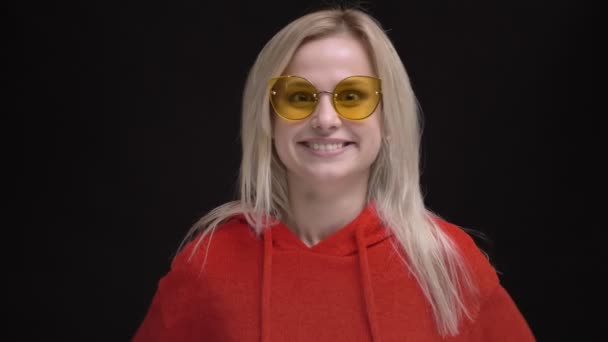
(327, 60)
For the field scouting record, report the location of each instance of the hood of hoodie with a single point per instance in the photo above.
(354, 238)
(343, 242)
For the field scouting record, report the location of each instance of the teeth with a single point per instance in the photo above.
(325, 147)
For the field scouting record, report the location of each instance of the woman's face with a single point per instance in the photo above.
(325, 148)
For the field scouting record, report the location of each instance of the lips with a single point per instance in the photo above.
(325, 146)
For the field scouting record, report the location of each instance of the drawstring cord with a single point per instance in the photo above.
(365, 279)
(266, 285)
(367, 285)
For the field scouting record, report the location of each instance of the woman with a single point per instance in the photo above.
(330, 239)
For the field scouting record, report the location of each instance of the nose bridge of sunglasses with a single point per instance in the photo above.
(331, 99)
(317, 95)
(329, 105)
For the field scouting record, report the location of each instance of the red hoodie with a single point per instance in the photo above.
(351, 286)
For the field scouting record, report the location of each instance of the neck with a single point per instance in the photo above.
(319, 210)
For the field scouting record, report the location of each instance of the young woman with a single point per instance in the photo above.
(330, 239)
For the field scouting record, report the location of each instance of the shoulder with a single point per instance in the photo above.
(477, 261)
(205, 269)
(463, 240)
(228, 242)
(496, 316)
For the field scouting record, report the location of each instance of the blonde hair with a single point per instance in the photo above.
(394, 185)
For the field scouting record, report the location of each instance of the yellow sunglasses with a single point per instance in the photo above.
(295, 98)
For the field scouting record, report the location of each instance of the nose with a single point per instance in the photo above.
(325, 117)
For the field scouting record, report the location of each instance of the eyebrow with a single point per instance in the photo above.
(300, 83)
(348, 82)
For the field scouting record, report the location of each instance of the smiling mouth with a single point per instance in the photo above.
(325, 147)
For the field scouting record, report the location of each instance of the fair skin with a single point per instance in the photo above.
(327, 186)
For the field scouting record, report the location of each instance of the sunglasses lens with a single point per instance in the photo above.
(292, 97)
(357, 97)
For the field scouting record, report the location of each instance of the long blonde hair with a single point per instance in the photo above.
(394, 185)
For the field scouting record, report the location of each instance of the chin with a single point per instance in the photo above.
(332, 175)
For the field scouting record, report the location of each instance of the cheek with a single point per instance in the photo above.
(375, 148)
(281, 138)
(278, 132)
(373, 133)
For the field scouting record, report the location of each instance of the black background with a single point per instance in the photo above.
(129, 118)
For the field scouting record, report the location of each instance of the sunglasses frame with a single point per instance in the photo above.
(317, 94)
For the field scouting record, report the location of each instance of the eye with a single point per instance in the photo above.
(301, 97)
(351, 96)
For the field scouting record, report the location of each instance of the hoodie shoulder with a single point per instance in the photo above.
(199, 276)
(483, 272)
(230, 240)
(497, 318)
